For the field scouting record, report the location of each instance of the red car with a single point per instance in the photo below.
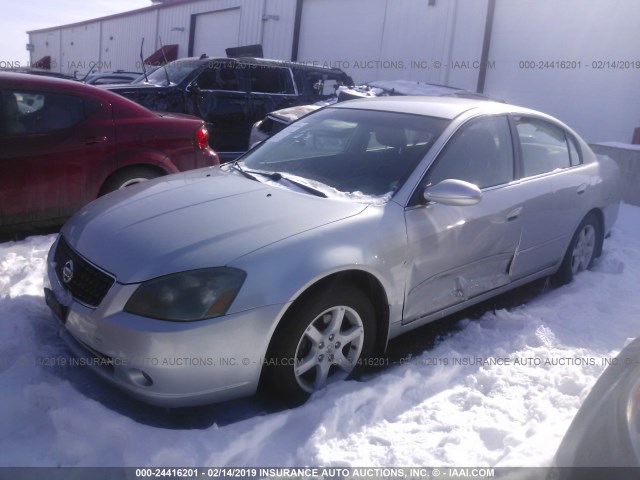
(63, 143)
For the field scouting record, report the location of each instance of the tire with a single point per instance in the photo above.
(582, 251)
(127, 177)
(321, 340)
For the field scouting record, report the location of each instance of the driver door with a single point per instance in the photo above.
(458, 253)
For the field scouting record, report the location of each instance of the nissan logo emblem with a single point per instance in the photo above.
(67, 271)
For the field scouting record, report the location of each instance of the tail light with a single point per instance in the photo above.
(202, 137)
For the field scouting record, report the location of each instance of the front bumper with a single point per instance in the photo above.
(172, 364)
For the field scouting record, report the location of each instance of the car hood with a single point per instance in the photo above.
(202, 218)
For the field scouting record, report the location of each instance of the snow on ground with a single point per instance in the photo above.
(421, 413)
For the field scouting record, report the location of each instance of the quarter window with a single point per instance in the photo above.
(545, 147)
(574, 152)
(481, 153)
(269, 79)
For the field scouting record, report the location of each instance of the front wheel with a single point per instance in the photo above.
(322, 340)
(581, 252)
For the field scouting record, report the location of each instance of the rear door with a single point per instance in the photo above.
(554, 185)
(49, 142)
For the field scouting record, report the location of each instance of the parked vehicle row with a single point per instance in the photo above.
(293, 266)
(275, 121)
(63, 144)
(232, 94)
(91, 78)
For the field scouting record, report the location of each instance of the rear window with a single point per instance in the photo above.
(28, 112)
(545, 147)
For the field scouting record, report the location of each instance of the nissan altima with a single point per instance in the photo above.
(294, 266)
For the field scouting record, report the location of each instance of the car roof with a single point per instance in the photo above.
(441, 107)
(25, 80)
(256, 61)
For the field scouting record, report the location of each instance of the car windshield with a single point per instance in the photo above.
(351, 151)
(176, 71)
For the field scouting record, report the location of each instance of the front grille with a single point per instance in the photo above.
(87, 284)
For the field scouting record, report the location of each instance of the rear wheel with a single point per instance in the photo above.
(581, 252)
(322, 340)
(128, 177)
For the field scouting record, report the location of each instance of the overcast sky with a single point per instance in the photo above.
(19, 16)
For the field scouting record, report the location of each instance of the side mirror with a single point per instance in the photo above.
(194, 88)
(456, 193)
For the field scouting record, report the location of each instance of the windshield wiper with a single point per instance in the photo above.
(236, 166)
(277, 176)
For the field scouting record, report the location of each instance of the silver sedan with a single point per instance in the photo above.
(295, 265)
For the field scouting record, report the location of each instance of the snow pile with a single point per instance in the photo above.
(498, 391)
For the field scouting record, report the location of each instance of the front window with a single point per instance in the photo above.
(359, 152)
(480, 153)
(176, 72)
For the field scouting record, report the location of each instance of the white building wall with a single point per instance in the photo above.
(277, 28)
(601, 102)
(80, 47)
(46, 44)
(114, 43)
(396, 39)
(465, 36)
(121, 40)
(410, 39)
(351, 40)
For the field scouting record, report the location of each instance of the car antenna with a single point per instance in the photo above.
(144, 71)
(93, 64)
(164, 66)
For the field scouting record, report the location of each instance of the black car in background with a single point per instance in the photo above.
(231, 94)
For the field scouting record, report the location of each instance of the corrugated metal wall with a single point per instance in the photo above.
(577, 63)
(277, 28)
(438, 41)
(46, 44)
(121, 39)
(408, 33)
(79, 47)
(115, 43)
(395, 39)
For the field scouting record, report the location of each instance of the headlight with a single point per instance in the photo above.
(187, 296)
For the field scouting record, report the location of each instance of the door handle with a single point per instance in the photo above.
(581, 189)
(94, 140)
(514, 214)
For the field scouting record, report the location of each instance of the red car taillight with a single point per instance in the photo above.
(202, 137)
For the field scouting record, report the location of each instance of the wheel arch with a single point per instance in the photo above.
(370, 285)
(372, 288)
(599, 215)
(134, 166)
